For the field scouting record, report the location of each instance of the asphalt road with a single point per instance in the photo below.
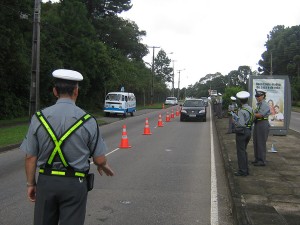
(164, 178)
(295, 121)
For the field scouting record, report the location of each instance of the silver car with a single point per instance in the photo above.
(171, 101)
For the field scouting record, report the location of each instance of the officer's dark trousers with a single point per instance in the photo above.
(60, 200)
(230, 125)
(242, 141)
(260, 137)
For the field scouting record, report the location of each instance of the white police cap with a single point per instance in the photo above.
(233, 98)
(219, 94)
(67, 75)
(243, 94)
(259, 92)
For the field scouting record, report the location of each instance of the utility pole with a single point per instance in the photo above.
(34, 103)
(152, 80)
(173, 94)
(179, 83)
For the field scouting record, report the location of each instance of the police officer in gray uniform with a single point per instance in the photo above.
(233, 107)
(60, 141)
(261, 128)
(243, 124)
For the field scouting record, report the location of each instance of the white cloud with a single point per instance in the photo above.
(209, 36)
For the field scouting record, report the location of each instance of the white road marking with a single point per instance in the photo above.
(214, 220)
(109, 153)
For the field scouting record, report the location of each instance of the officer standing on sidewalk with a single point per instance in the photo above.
(243, 124)
(261, 128)
(60, 141)
(219, 106)
(233, 107)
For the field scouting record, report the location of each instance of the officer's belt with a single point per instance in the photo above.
(261, 119)
(62, 173)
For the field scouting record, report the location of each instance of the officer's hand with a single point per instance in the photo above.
(31, 191)
(106, 169)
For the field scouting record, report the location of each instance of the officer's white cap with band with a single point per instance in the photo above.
(219, 94)
(233, 98)
(259, 92)
(65, 74)
(243, 95)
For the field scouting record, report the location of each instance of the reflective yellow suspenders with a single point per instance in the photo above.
(57, 149)
(251, 119)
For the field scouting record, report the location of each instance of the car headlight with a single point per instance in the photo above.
(202, 111)
(183, 111)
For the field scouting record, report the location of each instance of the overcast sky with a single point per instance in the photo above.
(209, 36)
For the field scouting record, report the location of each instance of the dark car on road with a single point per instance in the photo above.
(193, 109)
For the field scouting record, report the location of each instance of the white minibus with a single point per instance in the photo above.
(120, 103)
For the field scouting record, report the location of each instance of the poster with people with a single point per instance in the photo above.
(274, 97)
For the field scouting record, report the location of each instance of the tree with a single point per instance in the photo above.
(15, 56)
(283, 47)
(163, 70)
(123, 35)
(103, 8)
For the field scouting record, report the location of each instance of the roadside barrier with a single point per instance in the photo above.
(147, 128)
(124, 141)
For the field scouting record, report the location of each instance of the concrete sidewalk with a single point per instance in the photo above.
(270, 195)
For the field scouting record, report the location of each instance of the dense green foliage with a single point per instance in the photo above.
(282, 56)
(89, 36)
(83, 35)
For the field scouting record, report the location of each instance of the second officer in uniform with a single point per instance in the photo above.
(261, 128)
(243, 124)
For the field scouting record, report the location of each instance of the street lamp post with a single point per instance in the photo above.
(179, 83)
(173, 80)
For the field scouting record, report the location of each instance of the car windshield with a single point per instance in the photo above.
(170, 98)
(193, 103)
(113, 97)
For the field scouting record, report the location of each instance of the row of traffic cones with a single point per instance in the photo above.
(124, 141)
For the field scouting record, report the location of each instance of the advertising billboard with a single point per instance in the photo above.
(278, 97)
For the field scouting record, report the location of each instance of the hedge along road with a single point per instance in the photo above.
(164, 178)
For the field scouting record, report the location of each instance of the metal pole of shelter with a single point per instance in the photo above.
(35, 64)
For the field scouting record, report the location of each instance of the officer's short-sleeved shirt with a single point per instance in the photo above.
(263, 108)
(244, 115)
(77, 148)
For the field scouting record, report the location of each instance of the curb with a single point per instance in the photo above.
(9, 147)
(239, 211)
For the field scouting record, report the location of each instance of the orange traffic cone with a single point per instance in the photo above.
(177, 112)
(172, 114)
(160, 123)
(147, 128)
(124, 141)
(168, 117)
(163, 106)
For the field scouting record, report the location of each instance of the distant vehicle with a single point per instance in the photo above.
(171, 101)
(193, 109)
(205, 99)
(119, 103)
